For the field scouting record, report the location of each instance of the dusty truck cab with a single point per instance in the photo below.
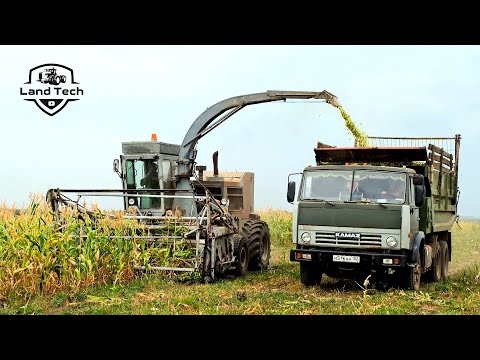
(375, 211)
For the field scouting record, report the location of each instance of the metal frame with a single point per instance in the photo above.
(196, 223)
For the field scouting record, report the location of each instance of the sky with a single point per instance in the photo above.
(130, 92)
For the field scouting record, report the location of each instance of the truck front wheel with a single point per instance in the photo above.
(411, 276)
(310, 273)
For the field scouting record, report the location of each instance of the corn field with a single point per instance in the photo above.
(40, 255)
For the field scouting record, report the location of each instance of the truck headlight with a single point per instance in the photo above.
(306, 237)
(131, 201)
(392, 241)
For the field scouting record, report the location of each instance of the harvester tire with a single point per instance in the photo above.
(257, 234)
(240, 250)
(206, 266)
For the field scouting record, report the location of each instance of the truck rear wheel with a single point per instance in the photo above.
(257, 234)
(444, 259)
(310, 273)
(435, 273)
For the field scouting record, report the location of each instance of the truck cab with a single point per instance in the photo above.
(356, 215)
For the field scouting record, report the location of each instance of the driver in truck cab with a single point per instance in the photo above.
(353, 189)
(395, 190)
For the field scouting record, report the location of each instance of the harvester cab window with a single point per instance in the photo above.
(166, 173)
(143, 174)
(150, 175)
(235, 196)
(167, 182)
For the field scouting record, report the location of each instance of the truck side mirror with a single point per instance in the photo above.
(418, 180)
(419, 195)
(291, 191)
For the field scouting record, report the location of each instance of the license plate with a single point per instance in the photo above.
(346, 258)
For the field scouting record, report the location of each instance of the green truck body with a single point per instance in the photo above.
(380, 212)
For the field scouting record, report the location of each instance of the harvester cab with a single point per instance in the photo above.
(148, 169)
(145, 168)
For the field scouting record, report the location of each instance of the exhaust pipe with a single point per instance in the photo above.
(201, 169)
(215, 163)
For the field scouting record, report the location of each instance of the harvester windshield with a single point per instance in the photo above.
(143, 174)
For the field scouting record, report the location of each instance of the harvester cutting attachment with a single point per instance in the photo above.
(173, 242)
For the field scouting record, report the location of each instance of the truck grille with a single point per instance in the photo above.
(328, 238)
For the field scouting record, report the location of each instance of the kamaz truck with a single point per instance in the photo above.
(383, 212)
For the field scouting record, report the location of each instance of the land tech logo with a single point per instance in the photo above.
(51, 87)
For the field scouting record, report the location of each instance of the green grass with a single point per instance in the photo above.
(274, 292)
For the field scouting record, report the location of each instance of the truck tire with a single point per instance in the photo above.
(240, 250)
(445, 259)
(310, 273)
(257, 234)
(435, 273)
(411, 276)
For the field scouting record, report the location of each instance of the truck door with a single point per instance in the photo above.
(414, 211)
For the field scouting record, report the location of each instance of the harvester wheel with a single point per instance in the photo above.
(241, 254)
(63, 78)
(206, 275)
(257, 234)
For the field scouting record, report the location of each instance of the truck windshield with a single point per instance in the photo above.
(358, 185)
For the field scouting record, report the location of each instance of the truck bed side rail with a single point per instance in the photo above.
(446, 148)
(442, 161)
